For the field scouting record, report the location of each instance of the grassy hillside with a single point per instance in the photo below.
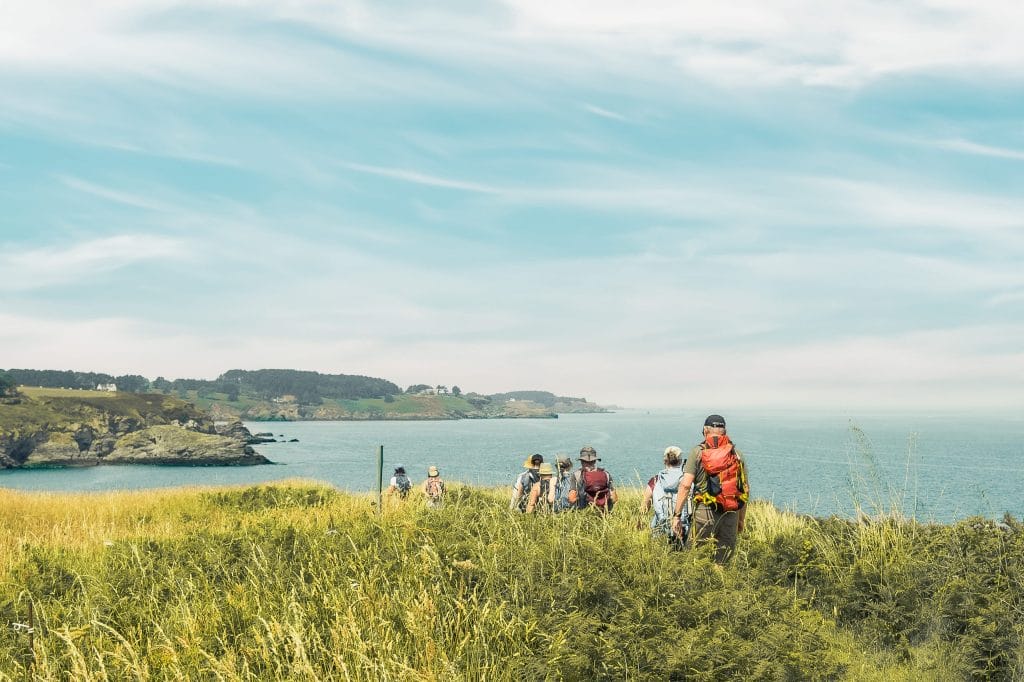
(300, 582)
(398, 407)
(42, 406)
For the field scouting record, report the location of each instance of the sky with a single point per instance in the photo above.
(767, 204)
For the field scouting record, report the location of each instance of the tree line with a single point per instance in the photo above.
(307, 387)
(55, 378)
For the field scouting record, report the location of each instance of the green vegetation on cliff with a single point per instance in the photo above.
(391, 407)
(300, 582)
(44, 427)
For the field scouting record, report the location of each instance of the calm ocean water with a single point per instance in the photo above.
(938, 467)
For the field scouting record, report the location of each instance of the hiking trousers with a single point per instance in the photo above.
(710, 524)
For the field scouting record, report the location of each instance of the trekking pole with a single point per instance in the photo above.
(380, 476)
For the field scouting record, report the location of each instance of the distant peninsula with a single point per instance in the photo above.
(294, 395)
(47, 427)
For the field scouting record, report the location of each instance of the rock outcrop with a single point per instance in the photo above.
(62, 429)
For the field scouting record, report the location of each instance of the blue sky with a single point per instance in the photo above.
(767, 204)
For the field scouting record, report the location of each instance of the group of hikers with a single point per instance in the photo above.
(701, 495)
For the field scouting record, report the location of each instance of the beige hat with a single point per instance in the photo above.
(546, 469)
(588, 454)
(533, 460)
(432, 471)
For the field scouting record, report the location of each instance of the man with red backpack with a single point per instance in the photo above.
(593, 485)
(721, 489)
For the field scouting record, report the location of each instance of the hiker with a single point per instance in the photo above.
(542, 495)
(563, 484)
(593, 485)
(719, 477)
(661, 493)
(433, 488)
(524, 482)
(400, 483)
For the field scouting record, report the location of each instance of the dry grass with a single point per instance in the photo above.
(296, 581)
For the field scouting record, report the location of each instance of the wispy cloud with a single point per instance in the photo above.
(751, 42)
(418, 178)
(604, 113)
(113, 195)
(46, 266)
(969, 147)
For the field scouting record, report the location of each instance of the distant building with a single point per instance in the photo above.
(112, 388)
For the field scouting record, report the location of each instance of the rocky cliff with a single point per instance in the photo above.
(58, 428)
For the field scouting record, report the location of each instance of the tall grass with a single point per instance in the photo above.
(297, 581)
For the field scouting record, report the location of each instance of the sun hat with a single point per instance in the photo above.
(588, 454)
(533, 460)
(432, 471)
(546, 469)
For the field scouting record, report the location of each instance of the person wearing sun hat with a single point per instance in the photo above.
(718, 473)
(593, 485)
(433, 487)
(542, 495)
(525, 482)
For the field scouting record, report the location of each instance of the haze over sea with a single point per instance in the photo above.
(932, 467)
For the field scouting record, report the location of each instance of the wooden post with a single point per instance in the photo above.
(380, 477)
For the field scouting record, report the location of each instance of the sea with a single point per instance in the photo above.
(932, 467)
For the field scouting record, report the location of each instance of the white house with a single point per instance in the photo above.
(112, 388)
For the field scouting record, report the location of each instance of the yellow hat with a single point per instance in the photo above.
(432, 471)
(546, 469)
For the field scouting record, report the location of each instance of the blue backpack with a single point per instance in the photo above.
(563, 485)
(526, 480)
(666, 492)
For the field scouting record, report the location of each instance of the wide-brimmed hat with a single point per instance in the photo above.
(546, 469)
(588, 454)
(432, 471)
(530, 463)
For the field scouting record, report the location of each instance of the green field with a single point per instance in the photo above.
(301, 582)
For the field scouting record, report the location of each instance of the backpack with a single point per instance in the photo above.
(526, 480)
(435, 491)
(403, 485)
(666, 492)
(542, 505)
(726, 479)
(563, 486)
(596, 485)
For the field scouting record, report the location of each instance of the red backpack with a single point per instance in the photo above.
(726, 485)
(596, 484)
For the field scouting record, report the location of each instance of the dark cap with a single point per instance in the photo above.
(715, 420)
(533, 461)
